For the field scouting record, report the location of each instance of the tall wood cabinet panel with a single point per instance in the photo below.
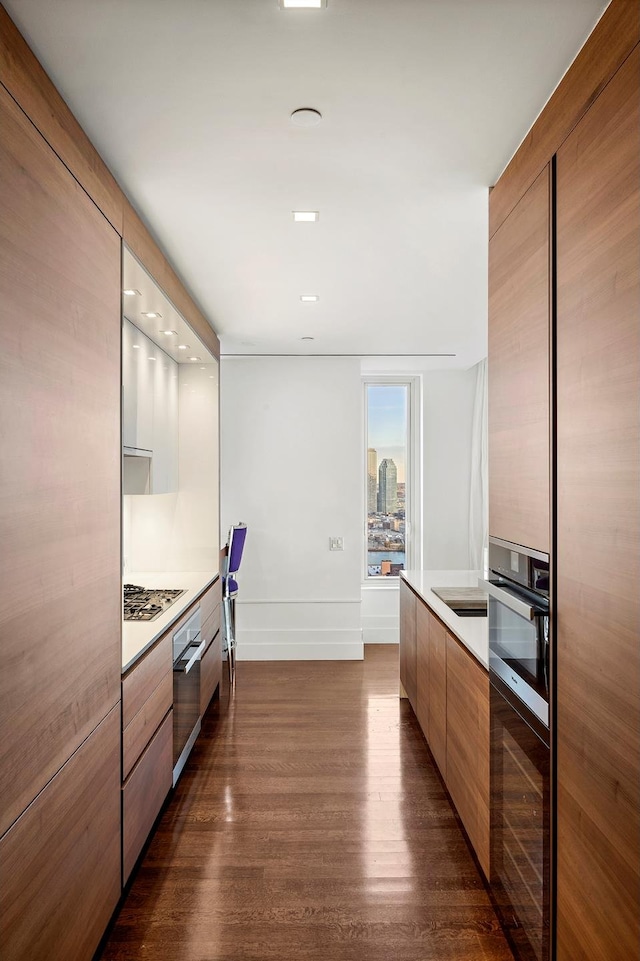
(598, 543)
(468, 745)
(438, 693)
(519, 424)
(60, 875)
(423, 620)
(408, 661)
(60, 603)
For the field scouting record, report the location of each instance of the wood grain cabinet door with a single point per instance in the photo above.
(60, 590)
(598, 561)
(518, 372)
(423, 619)
(468, 745)
(408, 664)
(438, 693)
(60, 877)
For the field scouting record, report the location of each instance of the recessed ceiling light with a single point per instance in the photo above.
(309, 298)
(152, 358)
(306, 117)
(302, 4)
(306, 216)
(131, 292)
(183, 346)
(194, 358)
(203, 368)
(307, 338)
(169, 333)
(151, 314)
(136, 346)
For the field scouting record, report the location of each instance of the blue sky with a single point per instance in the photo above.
(387, 422)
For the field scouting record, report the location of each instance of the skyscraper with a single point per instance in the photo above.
(372, 483)
(387, 487)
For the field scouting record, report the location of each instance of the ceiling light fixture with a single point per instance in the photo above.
(306, 216)
(307, 338)
(183, 346)
(131, 292)
(169, 333)
(151, 314)
(195, 358)
(302, 4)
(309, 298)
(136, 346)
(306, 117)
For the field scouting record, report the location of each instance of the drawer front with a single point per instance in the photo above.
(210, 672)
(211, 626)
(138, 733)
(144, 677)
(143, 793)
(210, 600)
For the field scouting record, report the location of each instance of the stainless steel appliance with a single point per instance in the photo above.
(187, 653)
(144, 604)
(519, 658)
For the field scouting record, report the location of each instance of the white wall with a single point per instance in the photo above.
(291, 458)
(447, 421)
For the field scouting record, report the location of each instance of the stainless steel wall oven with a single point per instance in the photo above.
(519, 658)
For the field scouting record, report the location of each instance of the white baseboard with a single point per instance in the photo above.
(300, 645)
(373, 635)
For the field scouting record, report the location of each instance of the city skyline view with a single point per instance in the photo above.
(386, 486)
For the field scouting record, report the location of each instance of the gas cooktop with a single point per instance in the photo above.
(145, 604)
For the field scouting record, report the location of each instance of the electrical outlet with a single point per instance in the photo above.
(336, 544)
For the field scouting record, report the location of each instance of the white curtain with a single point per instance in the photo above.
(479, 488)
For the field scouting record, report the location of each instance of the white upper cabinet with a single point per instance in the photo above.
(150, 413)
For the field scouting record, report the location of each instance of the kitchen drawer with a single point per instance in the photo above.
(138, 733)
(143, 793)
(210, 671)
(211, 626)
(210, 600)
(144, 677)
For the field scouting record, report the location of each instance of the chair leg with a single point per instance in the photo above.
(229, 637)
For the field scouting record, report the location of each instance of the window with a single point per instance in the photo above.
(388, 477)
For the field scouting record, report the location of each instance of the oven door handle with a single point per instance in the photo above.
(515, 604)
(196, 656)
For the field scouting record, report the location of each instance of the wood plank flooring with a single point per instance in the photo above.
(309, 824)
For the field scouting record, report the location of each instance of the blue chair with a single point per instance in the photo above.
(235, 547)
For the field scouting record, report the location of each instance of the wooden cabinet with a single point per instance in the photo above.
(598, 536)
(144, 792)
(408, 664)
(518, 371)
(211, 666)
(438, 693)
(468, 745)
(61, 860)
(210, 671)
(423, 620)
(452, 707)
(147, 738)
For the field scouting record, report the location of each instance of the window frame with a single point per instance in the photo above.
(413, 487)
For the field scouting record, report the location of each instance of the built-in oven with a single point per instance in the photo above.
(519, 657)
(187, 654)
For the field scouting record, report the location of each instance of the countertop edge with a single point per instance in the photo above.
(472, 632)
(190, 598)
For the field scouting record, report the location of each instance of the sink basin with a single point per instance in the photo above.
(463, 601)
(467, 611)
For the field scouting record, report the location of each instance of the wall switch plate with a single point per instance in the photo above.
(336, 543)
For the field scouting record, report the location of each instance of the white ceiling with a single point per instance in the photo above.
(424, 102)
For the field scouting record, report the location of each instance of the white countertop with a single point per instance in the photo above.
(138, 636)
(473, 632)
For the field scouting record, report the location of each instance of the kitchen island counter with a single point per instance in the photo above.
(471, 631)
(139, 636)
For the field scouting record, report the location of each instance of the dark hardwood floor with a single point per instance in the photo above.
(309, 824)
